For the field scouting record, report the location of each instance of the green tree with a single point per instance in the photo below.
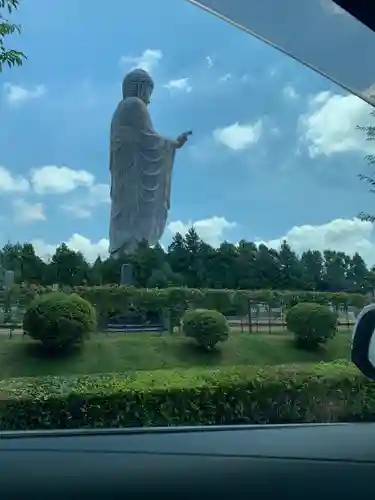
(110, 270)
(369, 132)
(268, 268)
(358, 275)
(96, 277)
(313, 269)
(335, 273)
(158, 279)
(11, 259)
(33, 269)
(178, 255)
(69, 267)
(185, 256)
(291, 268)
(145, 261)
(246, 270)
(222, 265)
(192, 262)
(9, 57)
(195, 271)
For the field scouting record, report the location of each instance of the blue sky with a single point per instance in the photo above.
(274, 153)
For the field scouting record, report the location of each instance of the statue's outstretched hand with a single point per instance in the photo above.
(182, 139)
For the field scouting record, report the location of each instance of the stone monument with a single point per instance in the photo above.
(127, 275)
(8, 279)
(141, 165)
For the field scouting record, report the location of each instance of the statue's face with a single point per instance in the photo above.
(138, 83)
(147, 89)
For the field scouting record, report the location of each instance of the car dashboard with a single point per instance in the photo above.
(282, 461)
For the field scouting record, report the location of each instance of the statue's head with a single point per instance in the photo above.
(138, 83)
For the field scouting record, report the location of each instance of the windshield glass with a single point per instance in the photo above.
(186, 225)
(318, 33)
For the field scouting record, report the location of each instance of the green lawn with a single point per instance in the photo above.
(20, 357)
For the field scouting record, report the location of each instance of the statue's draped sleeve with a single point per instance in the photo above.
(141, 164)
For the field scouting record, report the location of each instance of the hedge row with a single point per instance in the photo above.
(174, 301)
(291, 394)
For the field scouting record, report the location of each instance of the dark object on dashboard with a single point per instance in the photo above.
(363, 10)
(363, 342)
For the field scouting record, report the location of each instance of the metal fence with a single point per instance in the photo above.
(11, 314)
(260, 317)
(263, 318)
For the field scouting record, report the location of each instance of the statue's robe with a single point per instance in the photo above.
(141, 164)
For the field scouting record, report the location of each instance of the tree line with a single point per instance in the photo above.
(191, 262)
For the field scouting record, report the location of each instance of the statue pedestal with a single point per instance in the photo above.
(127, 275)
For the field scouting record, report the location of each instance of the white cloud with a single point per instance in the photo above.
(25, 212)
(226, 77)
(181, 84)
(229, 77)
(290, 93)
(346, 235)
(210, 230)
(148, 60)
(210, 61)
(81, 208)
(77, 210)
(239, 137)
(77, 242)
(12, 183)
(16, 94)
(273, 72)
(52, 179)
(330, 125)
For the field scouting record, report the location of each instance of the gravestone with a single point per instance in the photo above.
(8, 279)
(7, 284)
(127, 275)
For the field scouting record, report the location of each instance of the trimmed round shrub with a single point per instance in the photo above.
(206, 327)
(59, 320)
(312, 324)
